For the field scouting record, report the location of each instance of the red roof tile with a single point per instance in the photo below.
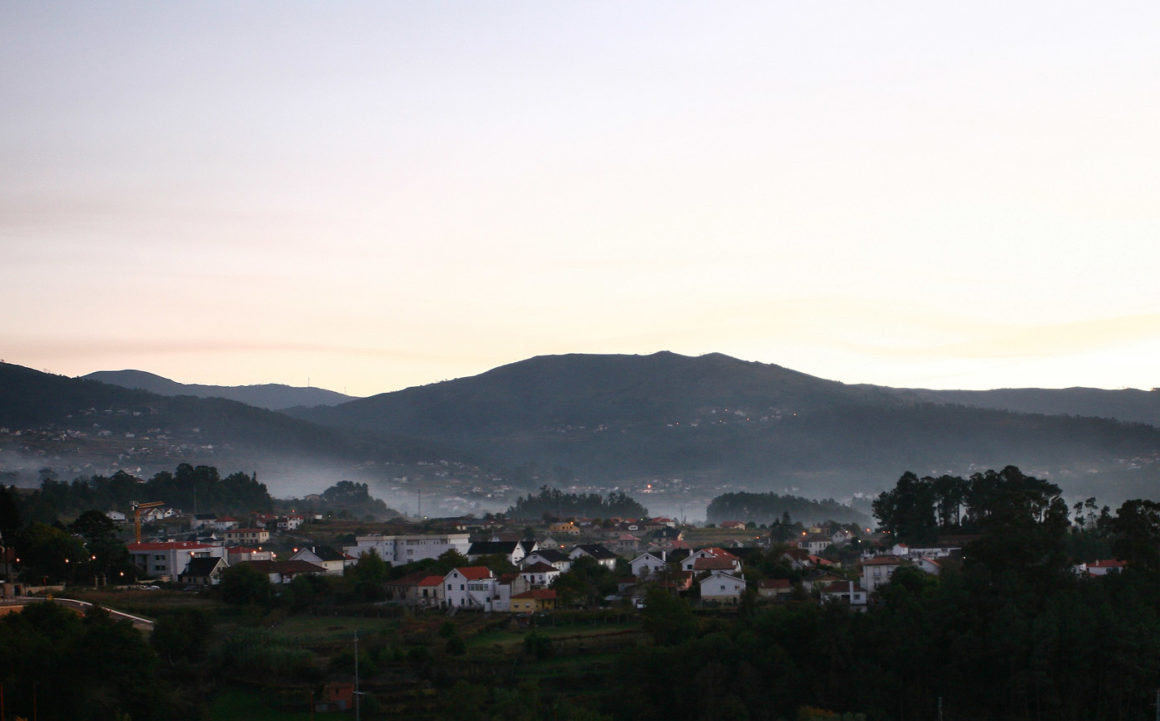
(168, 545)
(475, 573)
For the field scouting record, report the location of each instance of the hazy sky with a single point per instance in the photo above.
(377, 195)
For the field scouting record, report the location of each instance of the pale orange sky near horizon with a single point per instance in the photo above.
(370, 196)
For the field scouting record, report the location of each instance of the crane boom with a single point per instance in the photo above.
(137, 516)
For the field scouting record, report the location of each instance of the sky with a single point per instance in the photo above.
(366, 196)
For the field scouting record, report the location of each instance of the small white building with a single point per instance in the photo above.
(597, 551)
(846, 592)
(335, 562)
(557, 559)
(722, 587)
(290, 522)
(540, 575)
(648, 564)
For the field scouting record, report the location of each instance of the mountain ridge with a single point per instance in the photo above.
(271, 396)
(716, 418)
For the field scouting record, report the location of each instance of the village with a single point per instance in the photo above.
(509, 571)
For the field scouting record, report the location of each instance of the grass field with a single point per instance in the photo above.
(238, 705)
(507, 639)
(321, 629)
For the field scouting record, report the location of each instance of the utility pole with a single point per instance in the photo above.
(356, 691)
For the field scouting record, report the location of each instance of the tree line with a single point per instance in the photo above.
(552, 502)
(190, 488)
(772, 507)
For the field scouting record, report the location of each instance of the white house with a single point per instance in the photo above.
(333, 561)
(203, 571)
(602, 555)
(513, 551)
(290, 522)
(115, 516)
(846, 592)
(224, 523)
(540, 575)
(815, 543)
(558, 559)
(723, 560)
(877, 571)
(648, 564)
(722, 587)
(470, 587)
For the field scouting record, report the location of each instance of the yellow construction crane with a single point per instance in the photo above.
(137, 515)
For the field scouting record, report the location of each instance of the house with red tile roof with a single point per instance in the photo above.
(775, 588)
(470, 587)
(713, 554)
(846, 592)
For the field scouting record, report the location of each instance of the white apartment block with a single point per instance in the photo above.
(398, 550)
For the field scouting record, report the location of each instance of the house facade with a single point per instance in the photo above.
(470, 587)
(247, 536)
(597, 551)
(648, 564)
(335, 562)
(399, 550)
(534, 601)
(876, 571)
(722, 587)
(169, 559)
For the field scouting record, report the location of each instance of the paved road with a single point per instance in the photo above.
(139, 622)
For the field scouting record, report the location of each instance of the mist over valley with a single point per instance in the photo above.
(673, 431)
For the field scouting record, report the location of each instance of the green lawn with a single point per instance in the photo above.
(238, 705)
(315, 629)
(510, 638)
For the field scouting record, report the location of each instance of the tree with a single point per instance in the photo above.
(370, 572)
(907, 510)
(243, 584)
(1136, 539)
(9, 512)
(1023, 521)
(49, 551)
(669, 619)
(107, 554)
(181, 637)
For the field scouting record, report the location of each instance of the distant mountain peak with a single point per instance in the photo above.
(271, 396)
